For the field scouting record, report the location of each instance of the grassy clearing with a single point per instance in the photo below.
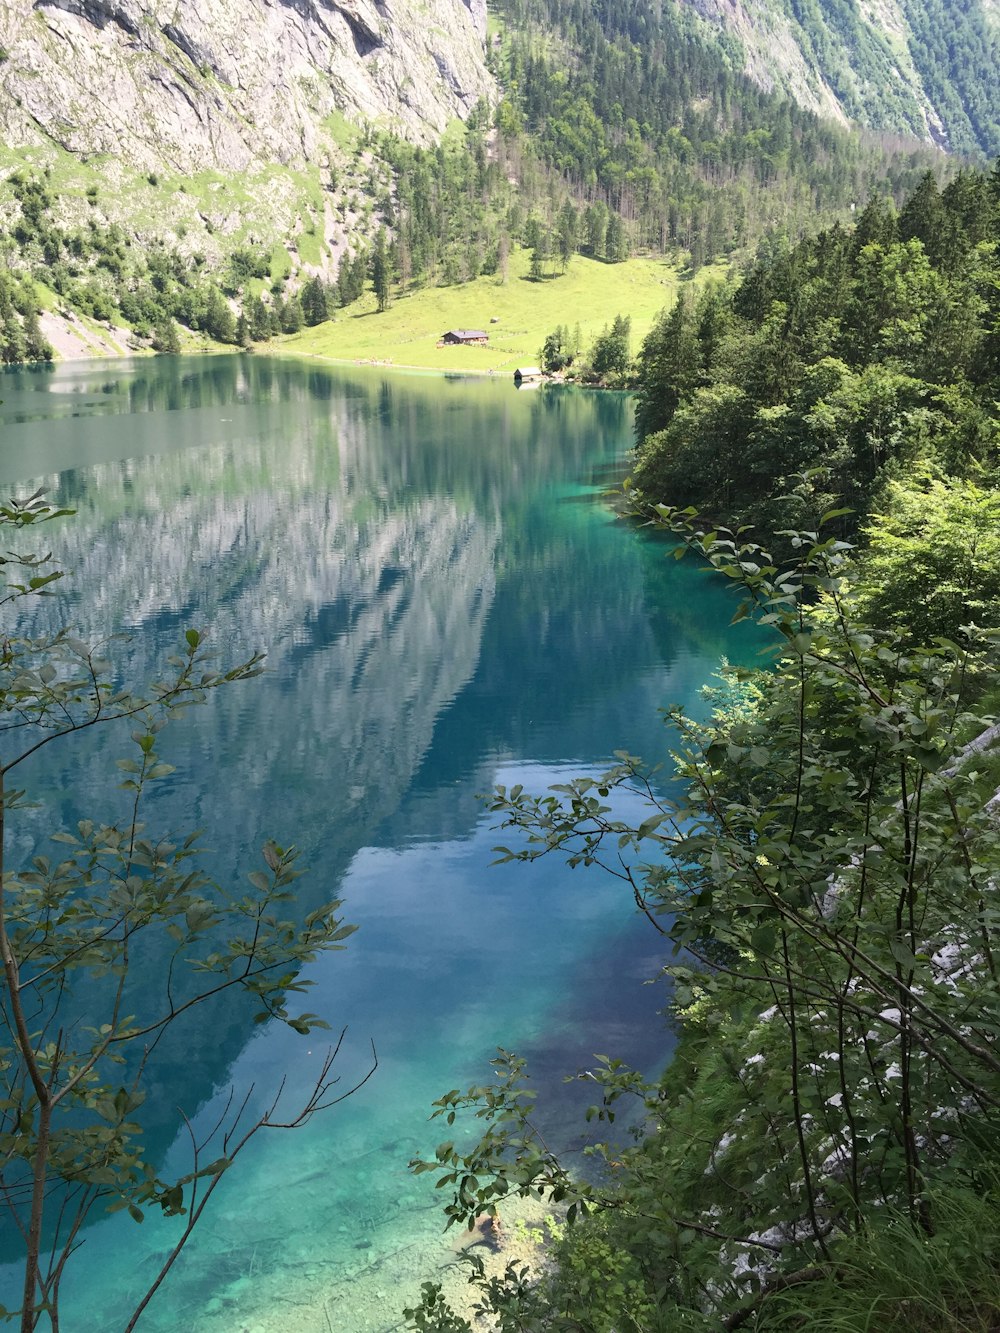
(590, 294)
(210, 213)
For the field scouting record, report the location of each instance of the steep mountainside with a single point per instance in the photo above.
(924, 67)
(192, 84)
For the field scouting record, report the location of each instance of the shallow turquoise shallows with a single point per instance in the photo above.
(446, 604)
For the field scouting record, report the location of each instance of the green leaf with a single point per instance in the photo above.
(931, 760)
(831, 514)
(650, 825)
(902, 953)
(763, 940)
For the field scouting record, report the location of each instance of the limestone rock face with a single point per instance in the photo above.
(778, 55)
(229, 84)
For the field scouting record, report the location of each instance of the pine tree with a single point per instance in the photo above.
(257, 318)
(877, 225)
(166, 338)
(13, 344)
(37, 345)
(669, 368)
(351, 277)
(219, 322)
(567, 233)
(615, 240)
(924, 218)
(381, 270)
(292, 315)
(315, 303)
(610, 355)
(596, 226)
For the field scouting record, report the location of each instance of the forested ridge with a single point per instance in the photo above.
(624, 129)
(618, 130)
(633, 106)
(956, 48)
(847, 369)
(919, 66)
(822, 1151)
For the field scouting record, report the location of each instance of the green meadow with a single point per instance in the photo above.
(517, 314)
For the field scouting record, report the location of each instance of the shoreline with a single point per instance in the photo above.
(293, 354)
(371, 1297)
(263, 349)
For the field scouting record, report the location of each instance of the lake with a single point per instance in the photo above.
(447, 603)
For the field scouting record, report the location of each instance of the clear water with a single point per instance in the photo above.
(446, 604)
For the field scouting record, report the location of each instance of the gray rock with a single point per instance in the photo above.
(233, 84)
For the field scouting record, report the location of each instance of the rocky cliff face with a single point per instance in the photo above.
(852, 63)
(229, 84)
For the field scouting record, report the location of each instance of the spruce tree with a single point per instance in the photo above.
(381, 271)
(292, 316)
(219, 322)
(615, 240)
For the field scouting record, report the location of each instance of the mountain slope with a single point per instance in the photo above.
(923, 67)
(227, 84)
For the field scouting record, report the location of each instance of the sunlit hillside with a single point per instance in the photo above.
(516, 314)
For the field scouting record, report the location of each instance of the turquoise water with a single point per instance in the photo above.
(446, 604)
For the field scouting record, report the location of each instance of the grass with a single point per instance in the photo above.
(343, 131)
(891, 1279)
(215, 214)
(281, 263)
(208, 212)
(310, 247)
(590, 294)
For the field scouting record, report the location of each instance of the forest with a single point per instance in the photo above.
(822, 1150)
(855, 368)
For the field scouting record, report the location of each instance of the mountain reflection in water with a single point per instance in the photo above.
(436, 621)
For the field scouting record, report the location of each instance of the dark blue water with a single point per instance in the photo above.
(446, 604)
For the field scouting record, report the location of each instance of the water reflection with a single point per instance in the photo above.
(436, 618)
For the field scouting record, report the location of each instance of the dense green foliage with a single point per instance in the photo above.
(619, 129)
(145, 286)
(627, 131)
(823, 888)
(645, 118)
(833, 366)
(956, 48)
(99, 272)
(21, 338)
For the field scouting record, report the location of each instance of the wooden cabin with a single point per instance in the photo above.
(463, 338)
